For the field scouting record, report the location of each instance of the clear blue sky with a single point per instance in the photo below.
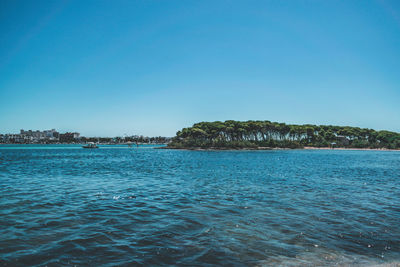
(107, 68)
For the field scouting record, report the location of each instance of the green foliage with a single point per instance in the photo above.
(253, 134)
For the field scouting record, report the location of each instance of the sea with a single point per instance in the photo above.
(62, 205)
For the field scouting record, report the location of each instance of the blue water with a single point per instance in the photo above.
(64, 205)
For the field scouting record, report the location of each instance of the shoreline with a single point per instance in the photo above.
(349, 148)
(83, 143)
(275, 148)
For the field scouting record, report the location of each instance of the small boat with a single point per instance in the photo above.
(90, 145)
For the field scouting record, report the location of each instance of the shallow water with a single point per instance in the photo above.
(63, 205)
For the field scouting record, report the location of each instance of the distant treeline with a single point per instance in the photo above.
(253, 134)
(133, 139)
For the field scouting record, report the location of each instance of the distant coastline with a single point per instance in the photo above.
(350, 148)
(82, 143)
(273, 148)
(54, 137)
(267, 135)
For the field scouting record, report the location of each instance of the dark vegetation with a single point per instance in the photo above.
(256, 134)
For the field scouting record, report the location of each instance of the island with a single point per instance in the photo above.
(259, 135)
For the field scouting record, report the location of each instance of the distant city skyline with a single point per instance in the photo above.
(54, 137)
(105, 68)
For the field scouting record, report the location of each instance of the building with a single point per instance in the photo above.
(36, 136)
(51, 134)
(46, 136)
(13, 138)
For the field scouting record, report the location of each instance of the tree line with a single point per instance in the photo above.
(133, 139)
(242, 134)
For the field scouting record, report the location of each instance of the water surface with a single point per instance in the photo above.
(64, 205)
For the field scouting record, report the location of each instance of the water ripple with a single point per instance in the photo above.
(108, 207)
